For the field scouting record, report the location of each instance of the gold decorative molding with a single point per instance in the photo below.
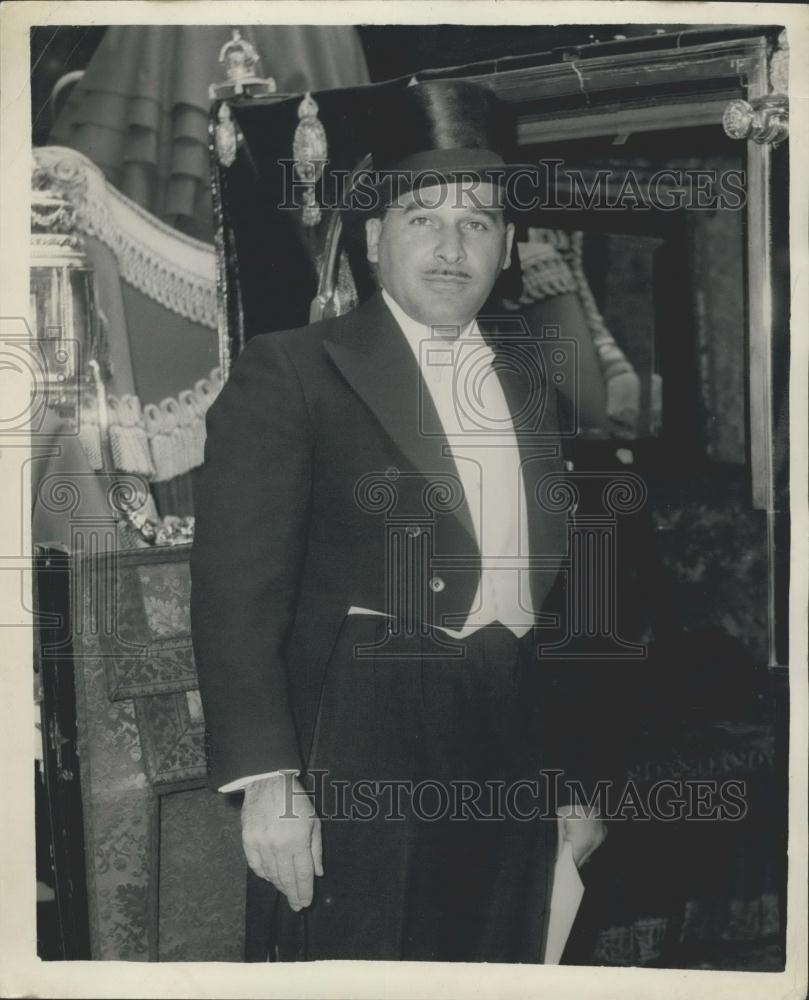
(779, 66)
(764, 119)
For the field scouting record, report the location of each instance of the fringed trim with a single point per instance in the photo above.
(147, 250)
(128, 442)
(545, 273)
(176, 428)
(552, 265)
(612, 358)
(158, 441)
(620, 378)
(89, 433)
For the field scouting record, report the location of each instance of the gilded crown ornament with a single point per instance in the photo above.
(310, 149)
(242, 65)
(241, 62)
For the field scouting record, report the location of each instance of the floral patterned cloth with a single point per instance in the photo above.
(141, 743)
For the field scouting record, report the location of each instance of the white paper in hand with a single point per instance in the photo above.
(566, 896)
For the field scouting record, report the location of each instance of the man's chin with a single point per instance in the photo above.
(447, 310)
(448, 319)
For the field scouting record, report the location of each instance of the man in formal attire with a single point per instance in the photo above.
(371, 562)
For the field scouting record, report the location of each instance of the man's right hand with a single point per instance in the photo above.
(281, 836)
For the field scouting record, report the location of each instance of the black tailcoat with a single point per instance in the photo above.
(320, 440)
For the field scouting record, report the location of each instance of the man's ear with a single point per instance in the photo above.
(373, 230)
(509, 241)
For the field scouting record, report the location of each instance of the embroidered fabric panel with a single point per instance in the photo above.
(141, 728)
(118, 806)
(202, 878)
(148, 651)
(173, 740)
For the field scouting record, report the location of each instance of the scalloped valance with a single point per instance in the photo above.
(175, 270)
(157, 440)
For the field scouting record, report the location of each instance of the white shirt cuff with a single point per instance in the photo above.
(240, 783)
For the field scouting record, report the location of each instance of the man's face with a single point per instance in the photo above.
(439, 251)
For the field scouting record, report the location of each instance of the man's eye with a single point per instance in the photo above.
(476, 225)
(419, 220)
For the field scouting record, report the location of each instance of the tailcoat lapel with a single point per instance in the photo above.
(375, 359)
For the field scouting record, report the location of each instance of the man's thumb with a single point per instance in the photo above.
(317, 847)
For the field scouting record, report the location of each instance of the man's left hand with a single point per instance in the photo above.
(585, 832)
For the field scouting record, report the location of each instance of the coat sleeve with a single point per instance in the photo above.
(252, 505)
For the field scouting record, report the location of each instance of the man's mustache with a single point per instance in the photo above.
(446, 272)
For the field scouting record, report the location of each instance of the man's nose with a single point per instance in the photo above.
(450, 248)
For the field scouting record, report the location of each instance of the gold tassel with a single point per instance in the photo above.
(310, 149)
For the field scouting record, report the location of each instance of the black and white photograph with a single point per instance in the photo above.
(404, 465)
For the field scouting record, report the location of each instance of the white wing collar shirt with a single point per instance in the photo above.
(460, 376)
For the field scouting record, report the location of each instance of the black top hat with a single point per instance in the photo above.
(442, 130)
